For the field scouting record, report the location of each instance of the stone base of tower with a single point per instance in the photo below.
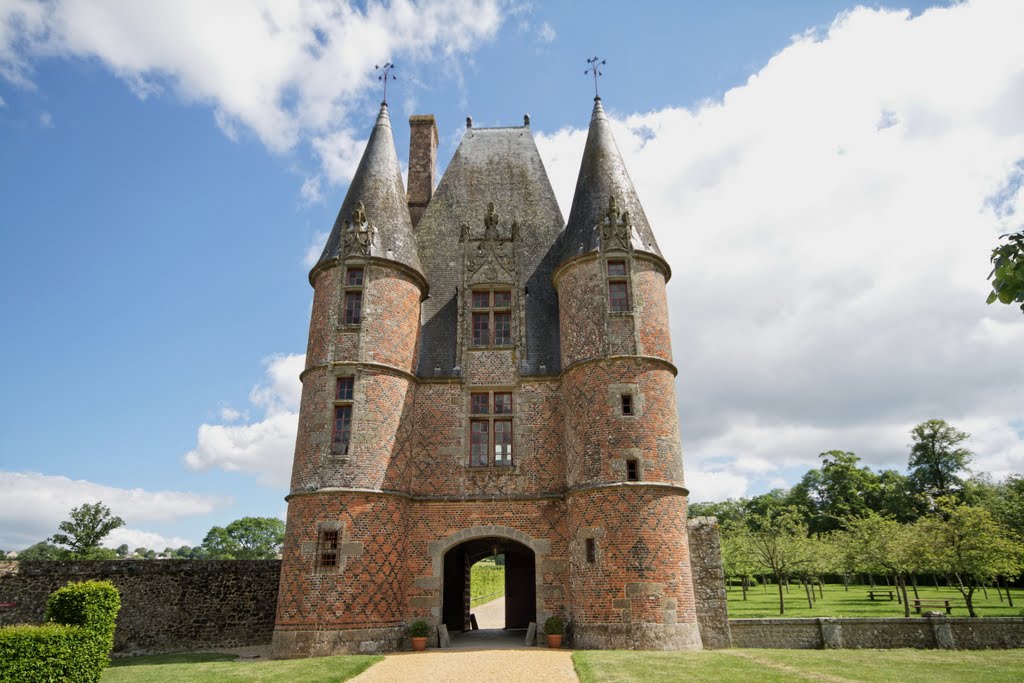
(636, 637)
(323, 643)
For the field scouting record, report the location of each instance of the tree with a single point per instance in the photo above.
(1008, 271)
(937, 459)
(122, 551)
(88, 526)
(249, 538)
(841, 488)
(42, 551)
(887, 547)
(739, 559)
(972, 547)
(779, 540)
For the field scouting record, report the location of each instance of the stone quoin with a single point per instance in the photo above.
(484, 377)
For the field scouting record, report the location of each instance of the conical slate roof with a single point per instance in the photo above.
(603, 175)
(377, 185)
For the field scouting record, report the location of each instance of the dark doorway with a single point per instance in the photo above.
(520, 582)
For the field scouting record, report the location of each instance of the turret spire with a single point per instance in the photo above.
(603, 176)
(374, 216)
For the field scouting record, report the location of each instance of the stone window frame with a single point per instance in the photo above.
(338, 402)
(328, 544)
(491, 311)
(490, 418)
(352, 288)
(618, 278)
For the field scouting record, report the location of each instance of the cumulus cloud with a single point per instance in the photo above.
(310, 191)
(34, 504)
(290, 72)
(136, 538)
(263, 447)
(829, 225)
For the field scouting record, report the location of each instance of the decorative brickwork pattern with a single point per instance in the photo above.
(489, 298)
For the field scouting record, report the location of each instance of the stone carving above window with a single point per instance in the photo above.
(357, 235)
(490, 257)
(616, 229)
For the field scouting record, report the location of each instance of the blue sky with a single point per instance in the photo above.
(826, 181)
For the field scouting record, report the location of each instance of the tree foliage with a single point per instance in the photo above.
(1008, 271)
(937, 458)
(248, 538)
(82, 534)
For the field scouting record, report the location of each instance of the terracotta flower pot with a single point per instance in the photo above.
(554, 641)
(419, 644)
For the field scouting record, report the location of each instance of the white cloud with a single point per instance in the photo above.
(310, 191)
(546, 33)
(315, 248)
(2, 103)
(229, 414)
(136, 538)
(34, 504)
(289, 72)
(264, 447)
(46, 120)
(829, 225)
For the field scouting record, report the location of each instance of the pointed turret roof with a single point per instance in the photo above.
(602, 176)
(376, 201)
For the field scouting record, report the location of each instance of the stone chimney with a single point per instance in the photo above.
(422, 163)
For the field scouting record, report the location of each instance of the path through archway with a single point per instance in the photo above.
(520, 582)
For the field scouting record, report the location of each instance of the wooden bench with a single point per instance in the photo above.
(880, 594)
(918, 603)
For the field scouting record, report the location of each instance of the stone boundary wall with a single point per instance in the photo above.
(166, 605)
(708, 582)
(942, 632)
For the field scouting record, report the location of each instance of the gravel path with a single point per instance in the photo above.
(494, 666)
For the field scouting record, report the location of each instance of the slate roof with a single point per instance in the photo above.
(378, 185)
(602, 174)
(500, 165)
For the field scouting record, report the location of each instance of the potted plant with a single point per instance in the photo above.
(554, 628)
(418, 631)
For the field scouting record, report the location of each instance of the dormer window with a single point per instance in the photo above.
(618, 287)
(492, 317)
(353, 301)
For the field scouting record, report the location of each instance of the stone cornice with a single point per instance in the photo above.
(590, 361)
(658, 261)
(417, 276)
(360, 364)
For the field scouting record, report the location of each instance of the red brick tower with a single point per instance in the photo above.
(342, 576)
(629, 570)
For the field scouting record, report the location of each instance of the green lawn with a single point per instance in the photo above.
(213, 668)
(906, 666)
(855, 603)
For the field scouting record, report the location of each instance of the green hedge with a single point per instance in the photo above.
(74, 644)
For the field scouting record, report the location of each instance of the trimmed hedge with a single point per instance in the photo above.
(74, 644)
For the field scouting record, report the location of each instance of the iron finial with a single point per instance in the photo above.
(594, 64)
(385, 71)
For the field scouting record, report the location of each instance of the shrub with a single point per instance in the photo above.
(554, 626)
(418, 629)
(74, 644)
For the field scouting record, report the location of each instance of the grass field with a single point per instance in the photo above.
(486, 582)
(855, 603)
(769, 666)
(213, 668)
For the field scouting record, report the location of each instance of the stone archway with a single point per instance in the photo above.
(452, 556)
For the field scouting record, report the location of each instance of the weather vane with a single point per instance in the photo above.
(385, 71)
(593, 68)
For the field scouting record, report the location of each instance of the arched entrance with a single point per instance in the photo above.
(520, 581)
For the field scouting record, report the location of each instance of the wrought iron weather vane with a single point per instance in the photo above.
(595, 68)
(385, 71)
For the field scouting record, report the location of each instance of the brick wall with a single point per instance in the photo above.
(166, 605)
